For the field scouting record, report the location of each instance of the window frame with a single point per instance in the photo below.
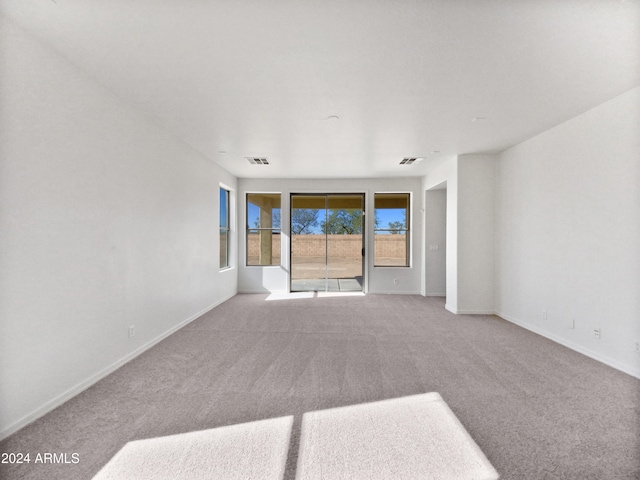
(272, 229)
(225, 228)
(406, 230)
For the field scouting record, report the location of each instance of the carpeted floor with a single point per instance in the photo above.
(536, 409)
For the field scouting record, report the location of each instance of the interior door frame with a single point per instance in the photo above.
(363, 203)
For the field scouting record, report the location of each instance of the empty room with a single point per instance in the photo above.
(314, 239)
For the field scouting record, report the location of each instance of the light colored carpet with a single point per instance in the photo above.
(412, 437)
(248, 451)
(536, 409)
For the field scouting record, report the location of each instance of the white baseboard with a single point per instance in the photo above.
(468, 312)
(476, 312)
(628, 369)
(82, 386)
(436, 295)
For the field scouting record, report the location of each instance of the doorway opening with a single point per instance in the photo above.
(327, 242)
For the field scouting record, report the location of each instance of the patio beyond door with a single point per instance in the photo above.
(327, 242)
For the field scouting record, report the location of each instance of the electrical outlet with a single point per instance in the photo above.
(132, 331)
(395, 281)
(637, 345)
(544, 314)
(597, 332)
(573, 324)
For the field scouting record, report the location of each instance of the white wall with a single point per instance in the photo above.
(469, 231)
(106, 221)
(448, 173)
(377, 279)
(435, 261)
(476, 223)
(568, 232)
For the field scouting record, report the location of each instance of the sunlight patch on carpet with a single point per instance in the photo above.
(299, 295)
(289, 296)
(340, 294)
(248, 451)
(405, 438)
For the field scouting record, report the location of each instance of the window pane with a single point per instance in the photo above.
(224, 208)
(391, 231)
(263, 210)
(224, 228)
(390, 249)
(263, 247)
(224, 251)
(263, 229)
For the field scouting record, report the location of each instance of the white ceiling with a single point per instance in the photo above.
(405, 78)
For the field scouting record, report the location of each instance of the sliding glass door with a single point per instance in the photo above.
(308, 243)
(327, 242)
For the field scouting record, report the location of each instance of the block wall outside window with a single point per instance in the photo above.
(391, 230)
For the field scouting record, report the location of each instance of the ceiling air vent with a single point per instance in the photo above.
(258, 161)
(409, 160)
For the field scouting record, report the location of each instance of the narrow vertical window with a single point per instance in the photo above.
(224, 228)
(391, 230)
(263, 229)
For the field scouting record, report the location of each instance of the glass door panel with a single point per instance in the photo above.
(344, 242)
(308, 243)
(327, 242)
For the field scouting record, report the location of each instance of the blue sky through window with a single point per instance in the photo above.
(388, 215)
(253, 216)
(224, 195)
(385, 216)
